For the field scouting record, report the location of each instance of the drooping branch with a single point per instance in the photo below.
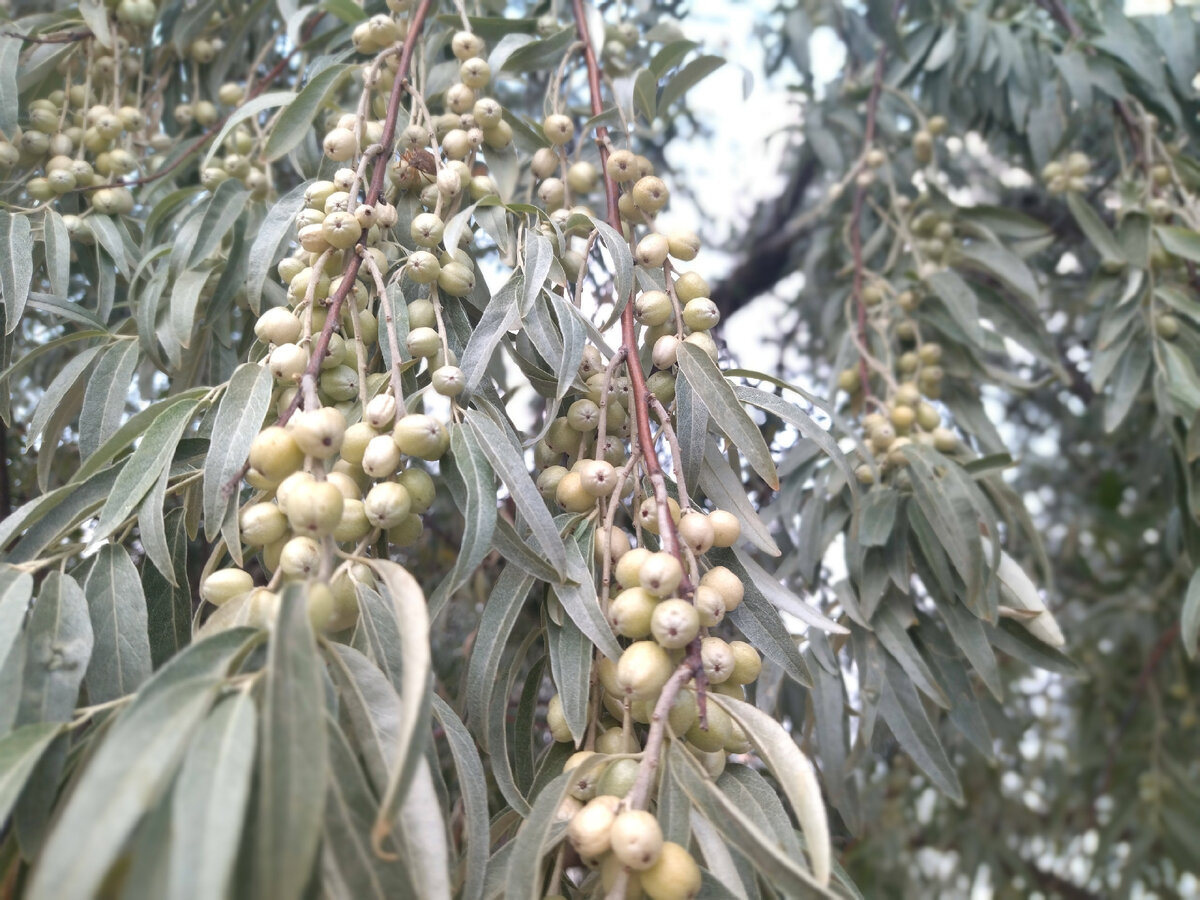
(637, 377)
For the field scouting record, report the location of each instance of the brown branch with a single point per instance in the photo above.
(637, 377)
(66, 37)
(349, 275)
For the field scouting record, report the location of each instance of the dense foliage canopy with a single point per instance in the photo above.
(385, 515)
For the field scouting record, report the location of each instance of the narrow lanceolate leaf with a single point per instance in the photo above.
(1179, 241)
(510, 466)
(786, 874)
(16, 589)
(687, 78)
(901, 708)
(58, 647)
(185, 297)
(297, 117)
(1094, 228)
(348, 862)
(571, 663)
(802, 422)
(502, 314)
(58, 251)
(472, 783)
(578, 597)
(132, 766)
(10, 57)
(226, 205)
(691, 429)
(291, 756)
(420, 831)
(622, 263)
(121, 660)
(168, 594)
(19, 754)
(500, 615)
(408, 601)
(1190, 624)
(782, 598)
(16, 266)
(142, 469)
(209, 803)
(277, 226)
(539, 256)
(795, 775)
(104, 397)
(470, 475)
(239, 419)
(727, 413)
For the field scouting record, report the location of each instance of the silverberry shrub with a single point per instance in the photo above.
(400, 525)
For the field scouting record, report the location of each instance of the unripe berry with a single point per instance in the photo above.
(466, 45)
(387, 504)
(674, 623)
(726, 528)
(701, 314)
(588, 830)
(318, 432)
(278, 325)
(262, 524)
(571, 496)
(747, 663)
(716, 735)
(275, 454)
(557, 721)
(945, 440)
(710, 605)
(426, 229)
(696, 531)
(636, 839)
(648, 513)
(353, 526)
(300, 557)
(408, 532)
(689, 286)
(717, 658)
(421, 436)
(643, 669)
(420, 487)
(355, 441)
(661, 574)
(682, 244)
(727, 585)
(629, 567)
(598, 477)
(422, 267)
(548, 481)
(653, 308)
(674, 875)
(630, 612)
(666, 351)
(456, 279)
(652, 251)
(381, 457)
(582, 177)
(559, 129)
(583, 787)
(650, 194)
(315, 509)
(224, 584)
